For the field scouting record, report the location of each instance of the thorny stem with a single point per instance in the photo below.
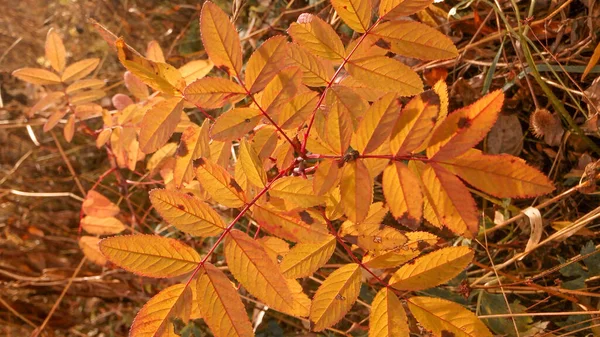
(330, 84)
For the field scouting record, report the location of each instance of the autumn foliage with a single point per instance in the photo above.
(285, 177)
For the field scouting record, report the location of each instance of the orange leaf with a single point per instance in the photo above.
(36, 76)
(318, 37)
(296, 190)
(219, 184)
(195, 70)
(315, 72)
(220, 39)
(297, 110)
(102, 226)
(265, 63)
(447, 201)
(135, 86)
(306, 258)
(413, 39)
(377, 124)
(417, 241)
(69, 130)
(377, 237)
(91, 83)
(403, 193)
(55, 50)
(356, 187)
(355, 13)
(387, 318)
(464, 128)
(95, 204)
(187, 213)
(335, 296)
(592, 62)
(150, 255)
(348, 100)
(390, 9)
(79, 69)
(220, 304)
(91, 250)
(235, 123)
(193, 145)
(432, 269)
(159, 123)
(154, 319)
(292, 226)
(326, 176)
(415, 123)
(503, 176)
(213, 92)
(284, 86)
(381, 72)
(252, 267)
(338, 128)
(154, 52)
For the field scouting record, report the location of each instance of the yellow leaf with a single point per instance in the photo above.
(220, 39)
(36, 76)
(160, 156)
(213, 92)
(381, 72)
(69, 129)
(415, 123)
(369, 46)
(333, 205)
(275, 247)
(356, 187)
(377, 124)
(417, 241)
(195, 70)
(376, 237)
(338, 128)
(160, 76)
(315, 73)
(447, 201)
(193, 145)
(464, 128)
(235, 123)
(413, 39)
(367, 92)
(87, 96)
(348, 100)
(52, 99)
(220, 304)
(252, 267)
(592, 62)
(55, 50)
(327, 175)
(432, 269)
(79, 69)
(95, 204)
(155, 317)
(220, 152)
(306, 258)
(284, 87)
(296, 227)
(219, 184)
(335, 296)
(297, 190)
(318, 37)
(264, 141)
(403, 193)
(355, 13)
(159, 123)
(102, 226)
(441, 89)
(91, 83)
(503, 176)
(150, 255)
(251, 164)
(387, 318)
(390, 9)
(265, 63)
(297, 110)
(445, 318)
(154, 52)
(187, 213)
(91, 250)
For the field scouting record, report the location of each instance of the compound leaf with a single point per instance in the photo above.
(55, 50)
(219, 184)
(154, 319)
(213, 92)
(79, 69)
(356, 187)
(265, 63)
(390, 9)
(415, 123)
(251, 164)
(296, 190)
(381, 72)
(355, 13)
(402, 192)
(377, 124)
(235, 123)
(317, 36)
(220, 39)
(306, 258)
(150, 255)
(102, 226)
(36, 76)
(289, 225)
(159, 123)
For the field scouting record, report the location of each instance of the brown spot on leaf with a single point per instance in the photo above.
(224, 68)
(351, 239)
(247, 120)
(305, 216)
(430, 97)
(464, 122)
(235, 185)
(383, 44)
(181, 207)
(339, 297)
(182, 150)
(198, 162)
(422, 244)
(446, 333)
